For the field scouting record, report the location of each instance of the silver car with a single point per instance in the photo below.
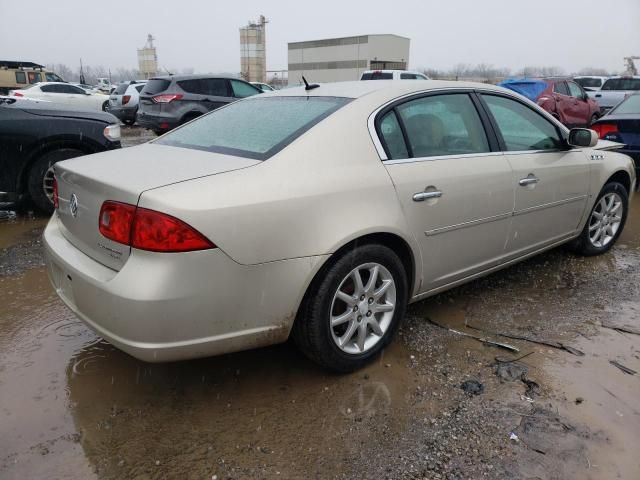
(319, 213)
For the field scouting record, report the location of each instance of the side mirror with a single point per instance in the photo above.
(582, 137)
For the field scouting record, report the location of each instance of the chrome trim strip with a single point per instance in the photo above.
(471, 223)
(440, 157)
(549, 205)
(494, 218)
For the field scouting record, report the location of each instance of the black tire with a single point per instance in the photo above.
(105, 106)
(190, 116)
(594, 119)
(312, 332)
(35, 182)
(583, 245)
(129, 121)
(160, 132)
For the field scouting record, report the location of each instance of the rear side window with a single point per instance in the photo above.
(51, 88)
(121, 89)
(243, 90)
(21, 77)
(621, 84)
(139, 87)
(156, 85)
(521, 128)
(443, 125)
(391, 133)
(254, 128)
(377, 76)
(216, 87)
(561, 88)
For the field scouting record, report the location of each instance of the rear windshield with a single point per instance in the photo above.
(121, 89)
(588, 82)
(254, 128)
(156, 85)
(630, 105)
(622, 84)
(377, 76)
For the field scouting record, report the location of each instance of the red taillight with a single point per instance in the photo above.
(115, 221)
(125, 99)
(18, 94)
(166, 98)
(56, 202)
(604, 129)
(149, 230)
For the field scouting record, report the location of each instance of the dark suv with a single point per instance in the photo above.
(166, 102)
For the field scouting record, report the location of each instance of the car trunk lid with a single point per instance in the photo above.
(85, 183)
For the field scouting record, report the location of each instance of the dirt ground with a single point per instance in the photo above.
(73, 407)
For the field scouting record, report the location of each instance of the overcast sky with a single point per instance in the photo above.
(204, 35)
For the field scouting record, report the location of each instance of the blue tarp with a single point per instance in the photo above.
(528, 87)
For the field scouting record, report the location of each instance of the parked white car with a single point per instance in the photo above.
(125, 99)
(590, 83)
(614, 90)
(393, 75)
(320, 212)
(64, 94)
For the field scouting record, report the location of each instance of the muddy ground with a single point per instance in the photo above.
(73, 407)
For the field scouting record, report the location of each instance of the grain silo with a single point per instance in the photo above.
(253, 58)
(148, 59)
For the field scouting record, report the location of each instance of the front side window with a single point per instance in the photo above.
(242, 89)
(443, 125)
(34, 77)
(575, 91)
(21, 77)
(50, 88)
(52, 77)
(253, 128)
(522, 128)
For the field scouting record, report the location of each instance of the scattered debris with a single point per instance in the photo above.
(480, 339)
(621, 328)
(626, 370)
(472, 387)
(514, 438)
(579, 400)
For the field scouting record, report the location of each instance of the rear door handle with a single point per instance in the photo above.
(422, 196)
(529, 180)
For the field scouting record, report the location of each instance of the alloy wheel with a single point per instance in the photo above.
(605, 220)
(362, 308)
(47, 183)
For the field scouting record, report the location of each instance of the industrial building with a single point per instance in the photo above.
(148, 59)
(343, 59)
(253, 56)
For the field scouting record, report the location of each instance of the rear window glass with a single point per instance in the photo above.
(377, 76)
(630, 105)
(156, 85)
(254, 128)
(622, 84)
(121, 89)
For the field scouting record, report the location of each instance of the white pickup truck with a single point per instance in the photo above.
(614, 90)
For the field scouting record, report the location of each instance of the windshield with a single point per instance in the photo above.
(255, 128)
(622, 84)
(589, 82)
(630, 105)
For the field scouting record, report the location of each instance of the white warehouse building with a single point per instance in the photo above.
(344, 59)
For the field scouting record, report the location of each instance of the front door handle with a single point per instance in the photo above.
(422, 196)
(531, 179)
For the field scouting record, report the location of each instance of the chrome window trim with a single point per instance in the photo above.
(371, 122)
(441, 157)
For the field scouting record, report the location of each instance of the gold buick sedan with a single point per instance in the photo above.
(319, 212)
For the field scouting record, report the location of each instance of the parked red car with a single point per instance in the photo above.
(561, 97)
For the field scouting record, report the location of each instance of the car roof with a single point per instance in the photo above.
(389, 88)
(193, 77)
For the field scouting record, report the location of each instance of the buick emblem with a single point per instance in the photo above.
(73, 205)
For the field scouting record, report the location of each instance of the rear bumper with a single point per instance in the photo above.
(157, 122)
(165, 307)
(124, 113)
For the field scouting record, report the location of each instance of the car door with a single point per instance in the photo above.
(456, 193)
(563, 102)
(551, 181)
(580, 109)
(52, 93)
(77, 97)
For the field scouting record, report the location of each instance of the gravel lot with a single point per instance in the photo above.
(73, 407)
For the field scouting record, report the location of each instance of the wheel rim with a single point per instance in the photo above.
(362, 308)
(47, 184)
(605, 220)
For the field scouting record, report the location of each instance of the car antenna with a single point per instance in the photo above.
(308, 86)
